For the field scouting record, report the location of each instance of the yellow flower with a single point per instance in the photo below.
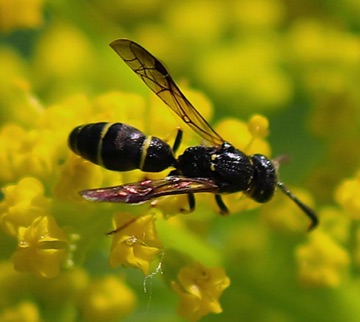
(163, 123)
(321, 261)
(135, 242)
(247, 137)
(199, 289)
(22, 204)
(28, 153)
(348, 196)
(41, 248)
(66, 288)
(119, 107)
(259, 14)
(25, 311)
(107, 299)
(356, 254)
(77, 174)
(205, 31)
(258, 126)
(20, 14)
(336, 223)
(248, 72)
(63, 65)
(283, 214)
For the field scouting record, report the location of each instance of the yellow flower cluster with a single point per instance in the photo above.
(33, 206)
(322, 261)
(43, 211)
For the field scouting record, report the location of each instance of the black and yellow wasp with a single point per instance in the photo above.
(217, 167)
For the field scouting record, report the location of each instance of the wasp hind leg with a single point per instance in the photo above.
(223, 209)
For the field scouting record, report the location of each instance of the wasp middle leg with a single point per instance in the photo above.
(177, 140)
(223, 208)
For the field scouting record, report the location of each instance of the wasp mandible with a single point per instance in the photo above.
(217, 167)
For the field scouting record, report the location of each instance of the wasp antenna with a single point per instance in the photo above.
(306, 209)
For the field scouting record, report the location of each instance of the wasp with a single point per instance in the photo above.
(216, 167)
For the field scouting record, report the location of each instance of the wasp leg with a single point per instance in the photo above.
(178, 140)
(191, 203)
(117, 229)
(223, 209)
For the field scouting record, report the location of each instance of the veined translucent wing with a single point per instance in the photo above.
(157, 78)
(139, 192)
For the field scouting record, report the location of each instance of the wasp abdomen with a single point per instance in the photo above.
(120, 147)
